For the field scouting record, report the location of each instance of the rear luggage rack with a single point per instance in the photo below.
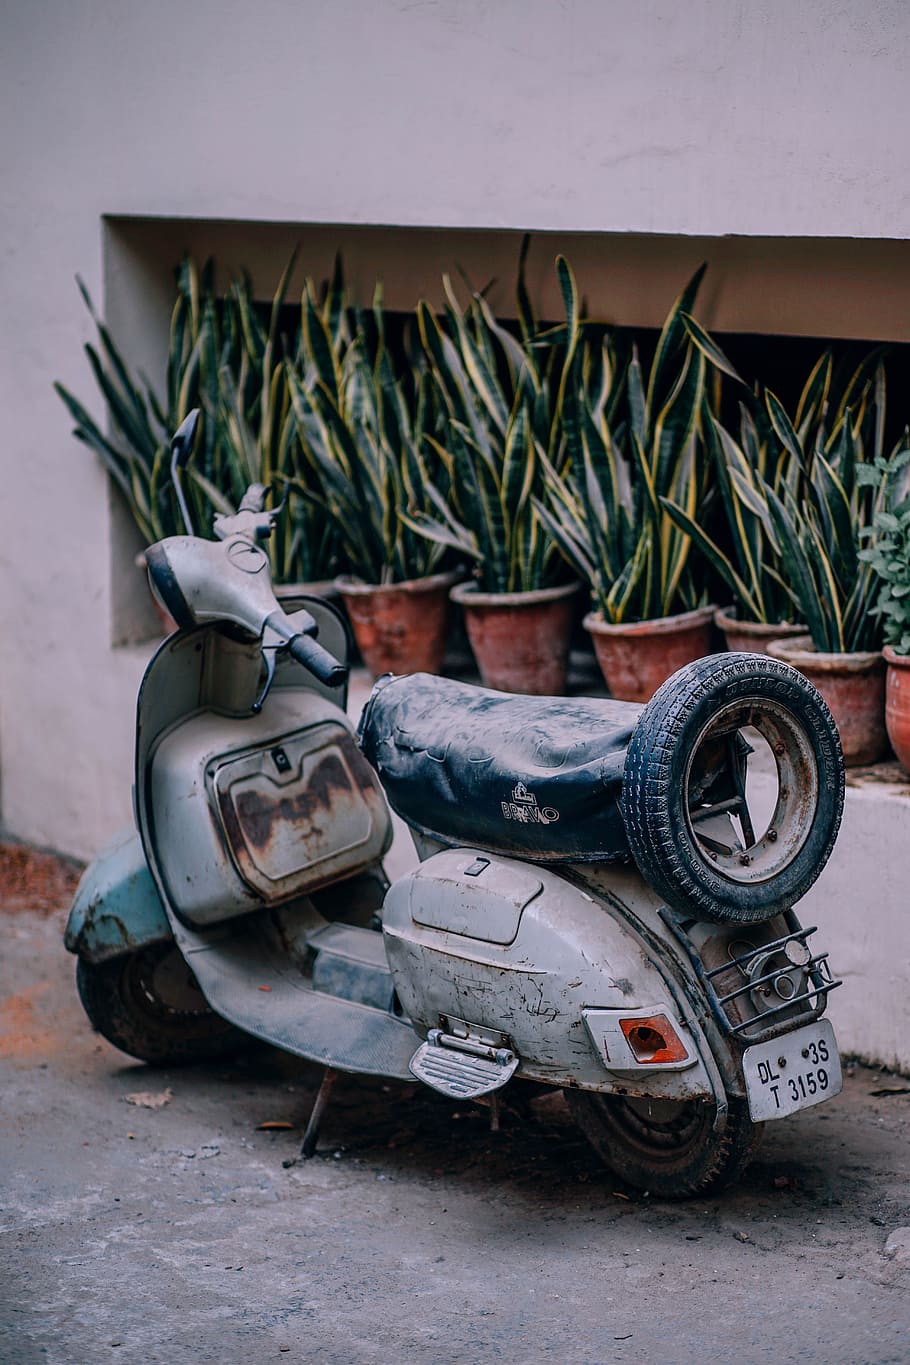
(809, 976)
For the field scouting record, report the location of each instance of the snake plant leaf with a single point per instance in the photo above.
(334, 303)
(813, 400)
(562, 530)
(714, 555)
(709, 348)
(869, 373)
(254, 335)
(518, 466)
(526, 318)
(798, 568)
(448, 371)
(136, 433)
(671, 341)
(784, 428)
(601, 472)
(484, 385)
(616, 605)
(638, 407)
(678, 423)
(464, 542)
(515, 354)
(319, 346)
(837, 518)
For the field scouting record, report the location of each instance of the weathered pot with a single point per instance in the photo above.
(897, 704)
(753, 637)
(520, 639)
(399, 627)
(637, 657)
(853, 685)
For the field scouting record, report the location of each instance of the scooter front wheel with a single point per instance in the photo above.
(148, 1005)
(667, 1147)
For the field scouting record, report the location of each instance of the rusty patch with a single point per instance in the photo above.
(258, 815)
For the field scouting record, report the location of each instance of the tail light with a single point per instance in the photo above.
(653, 1040)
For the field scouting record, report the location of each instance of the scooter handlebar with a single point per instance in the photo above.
(319, 661)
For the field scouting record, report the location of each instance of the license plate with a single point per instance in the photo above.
(792, 1072)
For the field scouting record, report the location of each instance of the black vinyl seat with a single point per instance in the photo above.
(535, 777)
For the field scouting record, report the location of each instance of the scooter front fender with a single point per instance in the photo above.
(116, 908)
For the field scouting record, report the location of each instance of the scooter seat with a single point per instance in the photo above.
(535, 777)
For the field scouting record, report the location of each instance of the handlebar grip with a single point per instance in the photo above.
(319, 661)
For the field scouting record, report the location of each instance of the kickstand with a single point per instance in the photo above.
(311, 1136)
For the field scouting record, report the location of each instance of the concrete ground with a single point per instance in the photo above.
(175, 1234)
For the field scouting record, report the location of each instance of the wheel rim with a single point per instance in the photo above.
(656, 1130)
(159, 985)
(720, 820)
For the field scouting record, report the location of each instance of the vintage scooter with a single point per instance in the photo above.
(603, 903)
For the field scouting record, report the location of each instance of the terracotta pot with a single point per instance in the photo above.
(399, 627)
(520, 639)
(637, 657)
(853, 685)
(897, 704)
(753, 637)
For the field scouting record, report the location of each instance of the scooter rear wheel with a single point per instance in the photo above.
(694, 825)
(667, 1147)
(148, 1005)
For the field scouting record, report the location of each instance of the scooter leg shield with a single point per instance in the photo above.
(116, 908)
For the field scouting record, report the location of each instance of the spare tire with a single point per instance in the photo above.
(685, 804)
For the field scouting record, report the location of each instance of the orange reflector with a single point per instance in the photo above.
(654, 1039)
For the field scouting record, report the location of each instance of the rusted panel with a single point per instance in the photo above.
(300, 812)
(259, 817)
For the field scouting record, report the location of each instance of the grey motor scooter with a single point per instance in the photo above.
(599, 907)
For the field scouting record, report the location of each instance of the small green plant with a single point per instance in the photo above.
(888, 555)
(630, 448)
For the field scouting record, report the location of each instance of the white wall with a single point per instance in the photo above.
(775, 118)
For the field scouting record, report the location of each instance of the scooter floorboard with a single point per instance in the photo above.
(251, 981)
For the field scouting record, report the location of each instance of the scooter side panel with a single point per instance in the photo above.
(568, 957)
(116, 908)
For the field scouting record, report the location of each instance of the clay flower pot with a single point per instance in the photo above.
(635, 658)
(520, 639)
(897, 704)
(853, 685)
(753, 637)
(399, 627)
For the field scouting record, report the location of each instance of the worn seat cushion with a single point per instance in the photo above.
(538, 777)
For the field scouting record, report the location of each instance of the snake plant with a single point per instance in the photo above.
(799, 500)
(362, 425)
(605, 509)
(223, 360)
(503, 398)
